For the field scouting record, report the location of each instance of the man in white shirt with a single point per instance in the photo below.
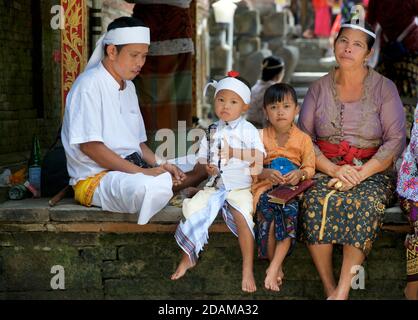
(103, 125)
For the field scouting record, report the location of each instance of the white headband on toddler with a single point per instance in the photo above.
(233, 84)
(119, 36)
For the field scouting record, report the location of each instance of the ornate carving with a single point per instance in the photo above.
(73, 44)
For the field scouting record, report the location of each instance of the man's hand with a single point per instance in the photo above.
(153, 171)
(178, 175)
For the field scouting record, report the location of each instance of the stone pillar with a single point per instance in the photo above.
(276, 27)
(249, 55)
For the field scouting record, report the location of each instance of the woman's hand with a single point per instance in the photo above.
(348, 175)
(211, 170)
(293, 177)
(274, 176)
(336, 184)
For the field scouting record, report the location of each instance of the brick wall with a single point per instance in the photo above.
(108, 256)
(19, 118)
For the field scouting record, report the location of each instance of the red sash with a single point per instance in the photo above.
(343, 149)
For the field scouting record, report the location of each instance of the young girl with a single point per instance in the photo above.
(233, 147)
(290, 159)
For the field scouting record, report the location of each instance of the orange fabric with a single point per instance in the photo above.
(84, 189)
(298, 149)
(343, 149)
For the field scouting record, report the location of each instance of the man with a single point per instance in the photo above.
(103, 125)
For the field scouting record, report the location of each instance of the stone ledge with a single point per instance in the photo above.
(68, 216)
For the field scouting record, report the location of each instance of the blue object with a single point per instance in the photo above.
(283, 165)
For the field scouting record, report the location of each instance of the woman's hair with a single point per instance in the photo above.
(369, 40)
(272, 66)
(123, 22)
(277, 92)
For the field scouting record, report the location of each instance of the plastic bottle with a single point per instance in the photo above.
(35, 165)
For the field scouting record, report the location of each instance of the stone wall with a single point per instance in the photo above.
(19, 117)
(108, 256)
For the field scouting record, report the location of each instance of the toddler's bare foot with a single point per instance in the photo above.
(248, 282)
(183, 266)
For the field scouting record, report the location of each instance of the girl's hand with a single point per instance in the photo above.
(348, 175)
(293, 177)
(274, 176)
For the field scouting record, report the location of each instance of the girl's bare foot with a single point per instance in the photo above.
(271, 282)
(280, 276)
(183, 266)
(248, 282)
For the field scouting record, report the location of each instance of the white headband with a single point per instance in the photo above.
(117, 37)
(239, 87)
(355, 26)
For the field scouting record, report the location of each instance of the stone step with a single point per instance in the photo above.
(305, 77)
(107, 255)
(301, 92)
(69, 216)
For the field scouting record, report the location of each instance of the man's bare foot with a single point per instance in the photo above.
(271, 282)
(183, 266)
(248, 282)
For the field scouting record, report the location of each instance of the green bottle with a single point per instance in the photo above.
(35, 165)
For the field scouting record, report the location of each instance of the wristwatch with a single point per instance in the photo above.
(303, 178)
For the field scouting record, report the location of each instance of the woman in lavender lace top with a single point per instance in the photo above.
(357, 123)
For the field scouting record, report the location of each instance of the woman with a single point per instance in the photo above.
(272, 72)
(356, 120)
(408, 192)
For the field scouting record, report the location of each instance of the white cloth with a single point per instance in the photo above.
(200, 212)
(229, 83)
(119, 36)
(96, 110)
(239, 134)
(133, 193)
